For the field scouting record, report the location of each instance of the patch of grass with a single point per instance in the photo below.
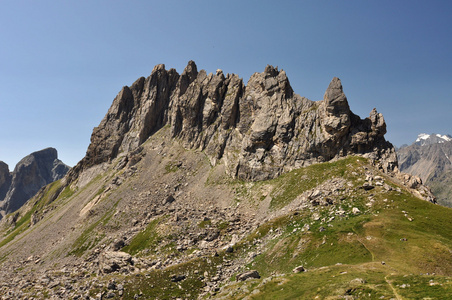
(158, 284)
(422, 287)
(223, 225)
(66, 193)
(205, 223)
(171, 167)
(143, 240)
(422, 245)
(330, 283)
(289, 185)
(21, 226)
(291, 247)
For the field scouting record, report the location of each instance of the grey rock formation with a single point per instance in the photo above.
(111, 261)
(258, 131)
(30, 174)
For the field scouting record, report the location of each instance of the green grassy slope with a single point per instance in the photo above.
(400, 247)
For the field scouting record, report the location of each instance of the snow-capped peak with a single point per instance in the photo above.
(428, 139)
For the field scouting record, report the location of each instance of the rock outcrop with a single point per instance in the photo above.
(30, 174)
(258, 131)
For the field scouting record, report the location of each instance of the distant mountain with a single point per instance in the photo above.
(429, 157)
(30, 174)
(428, 139)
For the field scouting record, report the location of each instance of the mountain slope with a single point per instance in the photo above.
(162, 218)
(430, 159)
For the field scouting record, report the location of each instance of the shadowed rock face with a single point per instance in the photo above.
(5, 179)
(30, 174)
(259, 130)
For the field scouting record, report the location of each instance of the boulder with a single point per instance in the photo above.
(248, 275)
(117, 244)
(299, 269)
(112, 261)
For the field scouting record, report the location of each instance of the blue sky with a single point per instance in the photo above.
(63, 62)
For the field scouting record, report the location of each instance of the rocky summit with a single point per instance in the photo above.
(197, 186)
(259, 130)
(30, 174)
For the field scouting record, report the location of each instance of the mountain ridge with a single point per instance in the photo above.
(259, 130)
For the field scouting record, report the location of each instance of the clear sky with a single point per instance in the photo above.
(63, 62)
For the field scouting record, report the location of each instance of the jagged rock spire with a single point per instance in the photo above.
(258, 130)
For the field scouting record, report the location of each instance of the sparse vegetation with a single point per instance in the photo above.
(171, 167)
(90, 237)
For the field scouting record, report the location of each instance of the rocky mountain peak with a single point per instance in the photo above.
(336, 108)
(258, 130)
(335, 99)
(30, 174)
(190, 71)
(378, 122)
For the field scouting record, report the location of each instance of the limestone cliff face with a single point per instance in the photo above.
(30, 174)
(259, 130)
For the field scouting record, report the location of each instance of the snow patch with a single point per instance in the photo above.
(444, 137)
(422, 136)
